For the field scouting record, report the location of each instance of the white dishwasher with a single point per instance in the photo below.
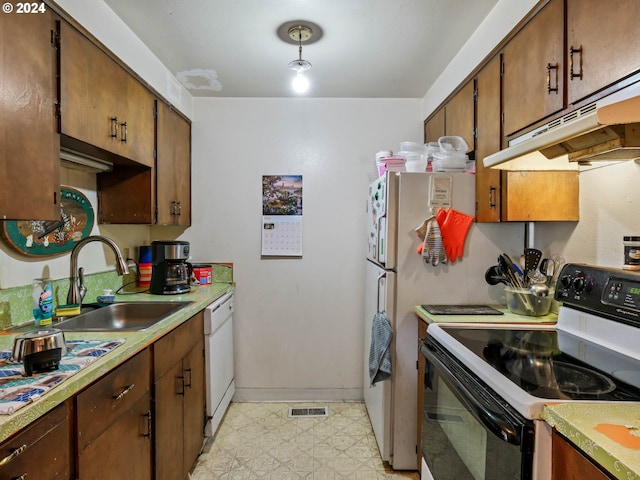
(218, 341)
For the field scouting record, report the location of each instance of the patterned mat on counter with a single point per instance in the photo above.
(16, 390)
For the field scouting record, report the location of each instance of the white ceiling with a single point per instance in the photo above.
(368, 49)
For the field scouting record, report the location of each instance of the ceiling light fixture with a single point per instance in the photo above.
(301, 33)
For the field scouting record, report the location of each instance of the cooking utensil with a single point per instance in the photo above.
(40, 350)
(494, 276)
(515, 279)
(532, 257)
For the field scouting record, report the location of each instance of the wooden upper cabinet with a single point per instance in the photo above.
(488, 185)
(173, 168)
(103, 105)
(602, 38)
(460, 116)
(434, 126)
(533, 69)
(30, 145)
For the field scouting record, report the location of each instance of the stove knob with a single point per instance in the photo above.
(578, 284)
(565, 280)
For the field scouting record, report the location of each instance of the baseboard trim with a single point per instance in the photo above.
(298, 395)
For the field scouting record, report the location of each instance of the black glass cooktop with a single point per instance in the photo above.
(554, 364)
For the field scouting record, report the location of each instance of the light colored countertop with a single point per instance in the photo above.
(609, 433)
(507, 317)
(199, 297)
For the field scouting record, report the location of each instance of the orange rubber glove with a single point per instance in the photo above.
(454, 227)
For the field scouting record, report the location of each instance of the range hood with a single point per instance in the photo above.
(608, 129)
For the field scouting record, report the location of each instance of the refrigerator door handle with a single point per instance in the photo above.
(382, 276)
(382, 236)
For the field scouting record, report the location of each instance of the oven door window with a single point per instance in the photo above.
(467, 435)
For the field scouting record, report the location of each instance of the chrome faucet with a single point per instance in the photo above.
(77, 289)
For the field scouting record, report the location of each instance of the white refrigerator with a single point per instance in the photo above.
(397, 279)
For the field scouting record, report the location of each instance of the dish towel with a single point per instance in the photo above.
(379, 352)
(16, 390)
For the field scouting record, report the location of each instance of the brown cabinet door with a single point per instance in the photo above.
(488, 180)
(540, 196)
(179, 399)
(604, 41)
(44, 448)
(110, 397)
(568, 463)
(534, 70)
(30, 145)
(173, 168)
(137, 138)
(194, 408)
(124, 449)
(460, 116)
(169, 425)
(102, 105)
(434, 126)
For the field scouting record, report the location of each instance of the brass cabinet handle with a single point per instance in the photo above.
(492, 197)
(123, 136)
(114, 127)
(573, 75)
(13, 455)
(149, 423)
(549, 68)
(124, 392)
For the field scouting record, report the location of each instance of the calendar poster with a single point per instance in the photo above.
(282, 215)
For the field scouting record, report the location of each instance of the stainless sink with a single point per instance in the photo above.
(127, 316)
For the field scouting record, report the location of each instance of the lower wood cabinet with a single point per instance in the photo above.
(114, 423)
(569, 463)
(142, 420)
(42, 450)
(179, 399)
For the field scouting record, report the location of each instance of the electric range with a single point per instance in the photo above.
(501, 376)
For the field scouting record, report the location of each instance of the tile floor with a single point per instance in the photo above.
(259, 441)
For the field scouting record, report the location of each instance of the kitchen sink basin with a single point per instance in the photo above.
(126, 316)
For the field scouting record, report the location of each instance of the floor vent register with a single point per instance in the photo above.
(298, 412)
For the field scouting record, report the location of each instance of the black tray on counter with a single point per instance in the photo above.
(461, 310)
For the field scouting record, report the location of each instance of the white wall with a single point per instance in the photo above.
(298, 322)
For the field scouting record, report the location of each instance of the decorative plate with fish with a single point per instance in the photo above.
(50, 238)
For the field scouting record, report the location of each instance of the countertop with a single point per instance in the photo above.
(507, 317)
(134, 342)
(607, 432)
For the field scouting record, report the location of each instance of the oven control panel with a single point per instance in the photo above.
(610, 292)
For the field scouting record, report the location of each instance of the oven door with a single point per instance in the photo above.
(468, 432)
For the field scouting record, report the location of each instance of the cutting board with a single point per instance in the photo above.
(461, 310)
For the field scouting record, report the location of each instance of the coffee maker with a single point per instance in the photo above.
(170, 271)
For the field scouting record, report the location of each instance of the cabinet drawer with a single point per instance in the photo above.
(176, 344)
(108, 398)
(124, 450)
(41, 450)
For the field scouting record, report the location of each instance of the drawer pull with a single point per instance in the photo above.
(124, 392)
(114, 127)
(149, 423)
(21, 477)
(13, 455)
(573, 75)
(188, 383)
(123, 136)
